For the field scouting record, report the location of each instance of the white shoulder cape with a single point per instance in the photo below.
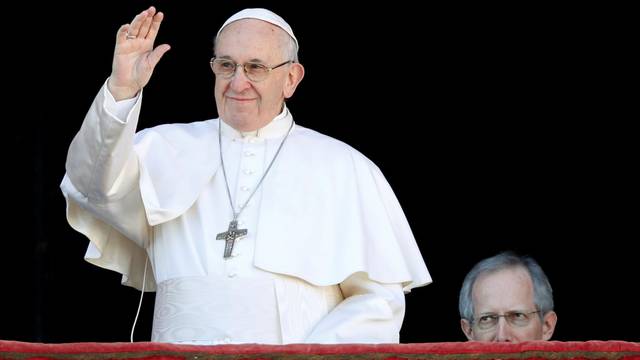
(326, 211)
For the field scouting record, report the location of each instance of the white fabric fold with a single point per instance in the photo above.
(338, 209)
(176, 161)
(370, 313)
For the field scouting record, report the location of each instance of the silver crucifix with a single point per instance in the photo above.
(230, 237)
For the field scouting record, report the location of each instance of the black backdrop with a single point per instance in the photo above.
(480, 118)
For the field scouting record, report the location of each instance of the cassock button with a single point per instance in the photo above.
(248, 153)
(244, 188)
(232, 275)
(247, 171)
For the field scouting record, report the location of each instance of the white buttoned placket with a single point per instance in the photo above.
(250, 167)
(233, 232)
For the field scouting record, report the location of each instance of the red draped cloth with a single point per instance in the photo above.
(572, 350)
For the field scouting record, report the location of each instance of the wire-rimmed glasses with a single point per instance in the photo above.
(255, 71)
(516, 318)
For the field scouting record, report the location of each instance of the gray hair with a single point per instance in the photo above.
(290, 48)
(542, 292)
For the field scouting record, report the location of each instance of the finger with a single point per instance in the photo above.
(122, 33)
(137, 22)
(155, 26)
(146, 23)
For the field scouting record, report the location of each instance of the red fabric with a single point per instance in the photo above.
(588, 350)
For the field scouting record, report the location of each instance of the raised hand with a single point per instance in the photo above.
(134, 57)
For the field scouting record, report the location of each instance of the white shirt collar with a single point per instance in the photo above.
(276, 128)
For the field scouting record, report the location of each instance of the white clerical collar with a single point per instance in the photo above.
(276, 128)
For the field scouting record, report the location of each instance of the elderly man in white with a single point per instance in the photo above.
(251, 228)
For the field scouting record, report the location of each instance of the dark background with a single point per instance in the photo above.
(483, 119)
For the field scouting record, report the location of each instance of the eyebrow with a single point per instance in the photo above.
(506, 312)
(254, 60)
(227, 57)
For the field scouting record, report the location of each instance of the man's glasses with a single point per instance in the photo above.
(254, 71)
(515, 318)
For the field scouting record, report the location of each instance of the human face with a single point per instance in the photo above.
(501, 292)
(244, 104)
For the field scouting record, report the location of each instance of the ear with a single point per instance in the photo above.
(466, 328)
(296, 73)
(549, 324)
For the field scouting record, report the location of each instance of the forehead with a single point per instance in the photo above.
(250, 37)
(503, 290)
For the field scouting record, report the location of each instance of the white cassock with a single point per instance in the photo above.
(328, 254)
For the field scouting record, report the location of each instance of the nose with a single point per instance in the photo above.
(239, 81)
(503, 331)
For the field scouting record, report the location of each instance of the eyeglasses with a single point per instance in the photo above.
(515, 318)
(254, 71)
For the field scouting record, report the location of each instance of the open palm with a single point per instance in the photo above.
(134, 57)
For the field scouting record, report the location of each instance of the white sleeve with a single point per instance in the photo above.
(102, 190)
(101, 155)
(371, 312)
(120, 109)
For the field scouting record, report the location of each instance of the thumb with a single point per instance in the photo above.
(157, 53)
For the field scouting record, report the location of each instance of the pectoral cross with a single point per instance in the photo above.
(230, 237)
